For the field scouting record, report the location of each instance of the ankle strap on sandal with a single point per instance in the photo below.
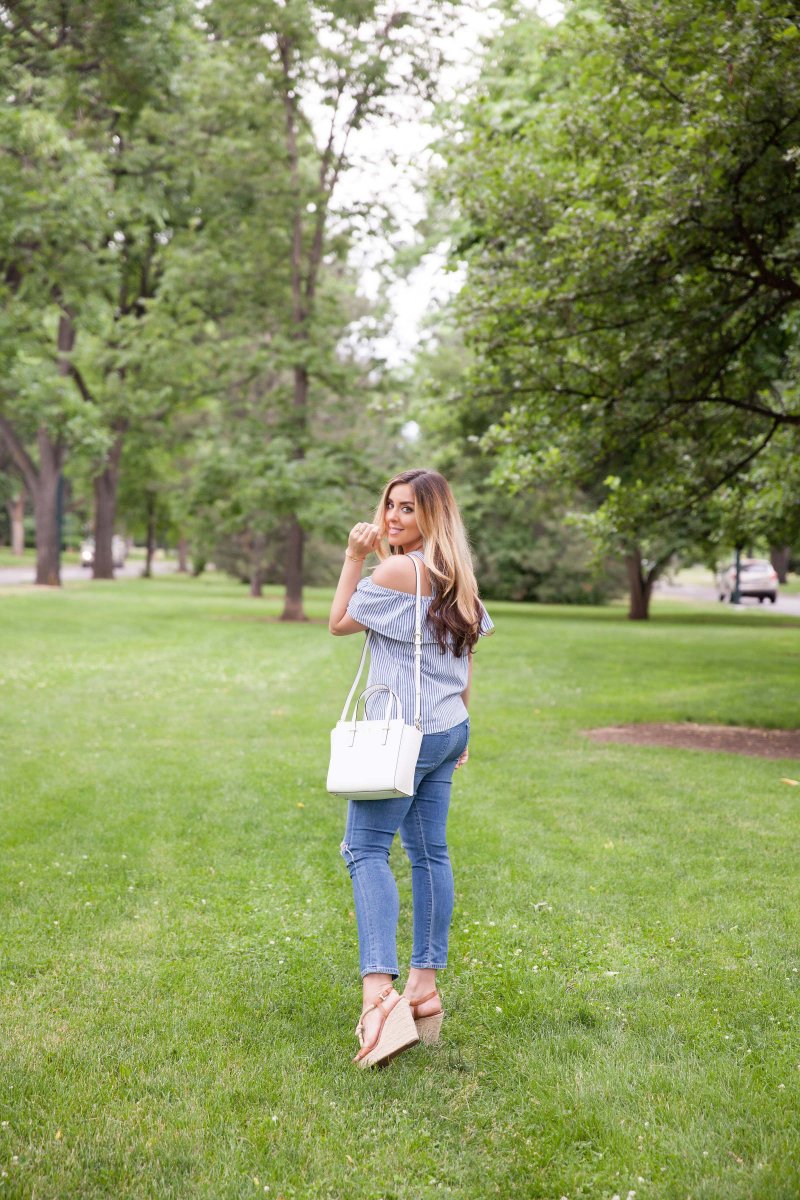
(423, 999)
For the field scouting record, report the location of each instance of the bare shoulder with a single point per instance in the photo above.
(396, 572)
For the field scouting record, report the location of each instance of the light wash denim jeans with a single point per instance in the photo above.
(421, 820)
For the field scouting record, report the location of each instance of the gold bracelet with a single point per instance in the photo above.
(353, 557)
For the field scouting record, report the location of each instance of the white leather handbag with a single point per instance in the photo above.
(376, 760)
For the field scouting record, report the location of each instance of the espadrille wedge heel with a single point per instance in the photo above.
(397, 1031)
(428, 1027)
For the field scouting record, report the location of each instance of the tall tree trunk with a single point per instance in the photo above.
(641, 580)
(147, 573)
(639, 589)
(295, 543)
(16, 513)
(302, 299)
(42, 485)
(779, 556)
(183, 555)
(45, 511)
(105, 508)
(258, 545)
(640, 583)
(45, 493)
(293, 603)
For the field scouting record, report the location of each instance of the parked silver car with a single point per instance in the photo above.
(119, 551)
(757, 578)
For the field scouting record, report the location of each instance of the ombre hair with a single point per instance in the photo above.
(455, 610)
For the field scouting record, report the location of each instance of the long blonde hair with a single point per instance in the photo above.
(455, 610)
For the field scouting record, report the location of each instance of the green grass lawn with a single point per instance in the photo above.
(178, 962)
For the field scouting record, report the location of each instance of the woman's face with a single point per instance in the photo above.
(401, 522)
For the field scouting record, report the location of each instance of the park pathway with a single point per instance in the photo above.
(787, 606)
(71, 572)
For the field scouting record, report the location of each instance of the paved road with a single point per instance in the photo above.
(786, 605)
(70, 572)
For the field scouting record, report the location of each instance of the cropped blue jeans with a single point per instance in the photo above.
(421, 820)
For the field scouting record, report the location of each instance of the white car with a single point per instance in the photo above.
(119, 550)
(757, 578)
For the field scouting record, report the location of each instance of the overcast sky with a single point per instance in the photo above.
(407, 139)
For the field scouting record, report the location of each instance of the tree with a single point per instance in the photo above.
(332, 68)
(53, 191)
(84, 180)
(532, 545)
(629, 202)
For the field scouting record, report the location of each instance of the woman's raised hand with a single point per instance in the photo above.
(362, 540)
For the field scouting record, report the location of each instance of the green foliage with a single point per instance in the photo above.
(88, 175)
(526, 546)
(763, 508)
(292, 440)
(628, 212)
(175, 255)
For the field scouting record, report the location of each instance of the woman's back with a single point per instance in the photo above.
(390, 613)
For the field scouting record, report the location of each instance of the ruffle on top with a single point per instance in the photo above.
(392, 614)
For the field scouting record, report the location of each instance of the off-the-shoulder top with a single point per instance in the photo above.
(390, 616)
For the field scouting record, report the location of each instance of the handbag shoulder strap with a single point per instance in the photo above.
(352, 691)
(417, 654)
(417, 646)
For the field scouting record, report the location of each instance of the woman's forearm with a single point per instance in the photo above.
(348, 582)
(362, 540)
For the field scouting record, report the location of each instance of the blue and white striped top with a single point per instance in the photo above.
(390, 616)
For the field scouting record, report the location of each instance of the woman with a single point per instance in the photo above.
(417, 516)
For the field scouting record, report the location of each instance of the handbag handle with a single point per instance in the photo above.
(417, 656)
(391, 699)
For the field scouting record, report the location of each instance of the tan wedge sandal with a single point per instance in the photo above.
(397, 1032)
(429, 1026)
